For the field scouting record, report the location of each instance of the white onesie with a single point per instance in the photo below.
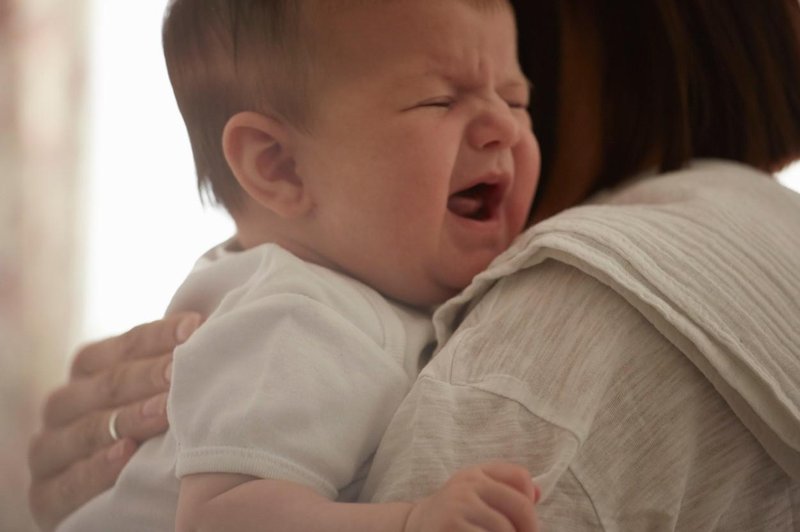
(294, 376)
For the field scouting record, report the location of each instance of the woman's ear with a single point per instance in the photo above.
(258, 149)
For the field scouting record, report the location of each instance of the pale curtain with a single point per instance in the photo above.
(42, 80)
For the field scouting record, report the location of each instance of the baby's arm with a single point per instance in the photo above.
(493, 497)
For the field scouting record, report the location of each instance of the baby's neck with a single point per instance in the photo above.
(248, 237)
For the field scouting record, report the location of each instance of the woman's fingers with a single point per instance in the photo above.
(74, 458)
(53, 498)
(122, 384)
(53, 450)
(148, 340)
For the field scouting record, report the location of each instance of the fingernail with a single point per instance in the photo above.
(186, 327)
(537, 494)
(168, 372)
(116, 452)
(155, 406)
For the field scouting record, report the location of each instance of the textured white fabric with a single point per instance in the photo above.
(640, 355)
(293, 376)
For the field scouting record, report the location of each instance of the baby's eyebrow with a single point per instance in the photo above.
(436, 73)
(411, 78)
(530, 84)
(524, 82)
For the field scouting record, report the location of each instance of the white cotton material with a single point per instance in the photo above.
(293, 376)
(640, 355)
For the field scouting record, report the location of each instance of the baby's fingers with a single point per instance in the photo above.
(514, 494)
(508, 504)
(514, 476)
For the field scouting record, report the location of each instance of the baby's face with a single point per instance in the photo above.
(420, 155)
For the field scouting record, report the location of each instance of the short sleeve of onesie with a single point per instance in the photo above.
(284, 387)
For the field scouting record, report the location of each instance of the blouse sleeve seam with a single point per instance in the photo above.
(476, 385)
(491, 390)
(589, 497)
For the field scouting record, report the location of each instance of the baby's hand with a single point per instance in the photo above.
(496, 497)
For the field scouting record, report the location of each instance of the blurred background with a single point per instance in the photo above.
(99, 216)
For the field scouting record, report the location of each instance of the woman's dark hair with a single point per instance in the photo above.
(539, 36)
(696, 78)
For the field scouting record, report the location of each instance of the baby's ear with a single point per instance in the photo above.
(258, 149)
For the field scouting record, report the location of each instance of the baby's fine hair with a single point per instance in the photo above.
(230, 56)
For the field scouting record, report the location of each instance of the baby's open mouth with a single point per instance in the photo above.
(479, 202)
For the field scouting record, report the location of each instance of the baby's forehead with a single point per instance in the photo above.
(415, 42)
(334, 5)
(321, 10)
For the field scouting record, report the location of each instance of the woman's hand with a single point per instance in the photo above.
(74, 457)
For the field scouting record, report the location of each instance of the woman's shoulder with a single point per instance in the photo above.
(551, 338)
(715, 183)
(556, 370)
(709, 212)
(703, 259)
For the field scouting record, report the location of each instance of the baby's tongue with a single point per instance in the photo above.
(465, 206)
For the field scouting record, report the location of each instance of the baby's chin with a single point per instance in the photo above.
(461, 277)
(436, 291)
(425, 296)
